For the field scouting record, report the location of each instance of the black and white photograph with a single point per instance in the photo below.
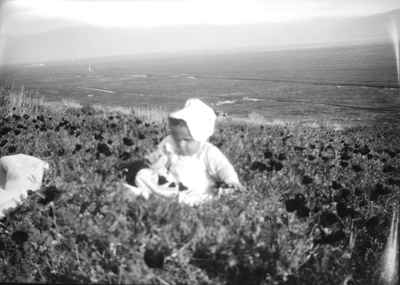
(200, 142)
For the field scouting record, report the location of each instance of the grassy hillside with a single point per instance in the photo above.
(317, 208)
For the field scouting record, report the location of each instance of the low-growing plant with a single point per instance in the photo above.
(316, 210)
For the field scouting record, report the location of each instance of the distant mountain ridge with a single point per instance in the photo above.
(88, 42)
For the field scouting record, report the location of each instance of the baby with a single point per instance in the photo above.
(185, 164)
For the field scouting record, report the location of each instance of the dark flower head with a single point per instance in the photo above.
(104, 149)
(154, 258)
(345, 156)
(327, 219)
(334, 237)
(282, 156)
(299, 148)
(258, 165)
(379, 190)
(356, 168)
(98, 137)
(325, 159)
(278, 166)
(336, 185)
(267, 154)
(16, 117)
(302, 211)
(61, 152)
(40, 118)
(344, 193)
(12, 149)
(51, 193)
(342, 210)
(127, 141)
(5, 131)
(19, 237)
(357, 192)
(291, 205)
(388, 168)
(365, 150)
(307, 180)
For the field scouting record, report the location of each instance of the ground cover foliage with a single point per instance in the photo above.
(317, 207)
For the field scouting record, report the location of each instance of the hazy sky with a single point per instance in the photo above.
(34, 16)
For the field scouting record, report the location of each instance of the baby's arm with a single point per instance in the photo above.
(230, 178)
(223, 169)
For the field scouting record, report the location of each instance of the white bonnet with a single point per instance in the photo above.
(199, 118)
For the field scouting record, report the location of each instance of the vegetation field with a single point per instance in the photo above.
(317, 209)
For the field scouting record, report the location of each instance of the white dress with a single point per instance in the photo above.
(18, 174)
(196, 174)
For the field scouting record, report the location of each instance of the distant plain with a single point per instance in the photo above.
(355, 84)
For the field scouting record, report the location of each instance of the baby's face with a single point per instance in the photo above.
(184, 140)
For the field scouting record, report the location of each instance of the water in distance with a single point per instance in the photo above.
(348, 84)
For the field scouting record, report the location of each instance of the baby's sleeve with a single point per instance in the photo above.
(220, 167)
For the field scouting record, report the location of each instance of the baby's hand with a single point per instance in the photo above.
(156, 160)
(237, 186)
(152, 157)
(230, 188)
